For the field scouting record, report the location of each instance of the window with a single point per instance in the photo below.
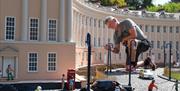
(95, 45)
(164, 29)
(99, 42)
(152, 28)
(177, 45)
(100, 56)
(171, 44)
(94, 22)
(158, 28)
(164, 43)
(52, 29)
(146, 28)
(152, 44)
(159, 56)
(51, 61)
(91, 19)
(10, 28)
(32, 62)
(99, 23)
(33, 29)
(170, 29)
(177, 29)
(158, 44)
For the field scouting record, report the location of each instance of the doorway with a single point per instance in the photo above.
(8, 61)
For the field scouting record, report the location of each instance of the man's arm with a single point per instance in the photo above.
(116, 49)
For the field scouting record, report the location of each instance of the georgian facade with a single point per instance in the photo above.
(160, 30)
(35, 38)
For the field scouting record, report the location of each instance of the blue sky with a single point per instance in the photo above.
(156, 2)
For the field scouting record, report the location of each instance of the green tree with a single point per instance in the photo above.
(169, 7)
(120, 3)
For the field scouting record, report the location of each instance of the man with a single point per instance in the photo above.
(9, 72)
(152, 85)
(131, 36)
(63, 83)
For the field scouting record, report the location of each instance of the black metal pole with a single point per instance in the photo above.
(170, 61)
(164, 56)
(176, 85)
(88, 41)
(108, 62)
(109, 56)
(130, 64)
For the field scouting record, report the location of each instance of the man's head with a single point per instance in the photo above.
(153, 81)
(111, 22)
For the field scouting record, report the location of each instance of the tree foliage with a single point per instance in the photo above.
(119, 3)
(169, 7)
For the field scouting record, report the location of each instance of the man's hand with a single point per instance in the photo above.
(107, 47)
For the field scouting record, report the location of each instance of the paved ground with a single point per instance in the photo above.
(142, 84)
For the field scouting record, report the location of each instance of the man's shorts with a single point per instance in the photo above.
(143, 46)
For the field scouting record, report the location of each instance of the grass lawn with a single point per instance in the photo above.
(175, 75)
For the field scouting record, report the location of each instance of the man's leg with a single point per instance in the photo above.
(140, 64)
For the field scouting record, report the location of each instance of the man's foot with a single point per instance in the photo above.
(153, 66)
(148, 62)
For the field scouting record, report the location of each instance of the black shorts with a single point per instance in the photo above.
(143, 46)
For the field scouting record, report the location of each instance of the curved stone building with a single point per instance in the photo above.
(161, 29)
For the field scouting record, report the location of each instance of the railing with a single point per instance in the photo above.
(142, 14)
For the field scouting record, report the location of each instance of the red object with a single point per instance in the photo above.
(70, 77)
(150, 87)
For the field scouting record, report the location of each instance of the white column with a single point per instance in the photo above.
(75, 27)
(92, 32)
(155, 36)
(161, 35)
(88, 24)
(80, 30)
(61, 31)
(102, 33)
(43, 20)
(24, 34)
(97, 32)
(84, 31)
(69, 20)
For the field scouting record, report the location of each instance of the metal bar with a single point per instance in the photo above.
(88, 41)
